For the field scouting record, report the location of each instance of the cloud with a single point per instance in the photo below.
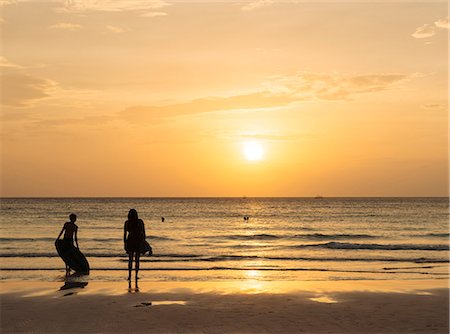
(79, 6)
(278, 92)
(153, 14)
(87, 120)
(429, 30)
(7, 2)
(66, 26)
(425, 31)
(6, 63)
(271, 136)
(114, 29)
(256, 4)
(443, 23)
(334, 86)
(246, 101)
(21, 90)
(433, 106)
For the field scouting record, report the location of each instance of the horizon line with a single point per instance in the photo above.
(209, 197)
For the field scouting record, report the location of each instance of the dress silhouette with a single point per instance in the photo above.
(133, 237)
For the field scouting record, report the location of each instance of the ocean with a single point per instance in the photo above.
(208, 239)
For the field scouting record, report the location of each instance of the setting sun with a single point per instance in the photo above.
(253, 151)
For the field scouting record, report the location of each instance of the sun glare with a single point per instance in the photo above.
(253, 151)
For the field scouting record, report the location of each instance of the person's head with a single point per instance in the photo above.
(73, 217)
(132, 215)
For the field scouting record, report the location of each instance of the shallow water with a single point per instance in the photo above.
(208, 239)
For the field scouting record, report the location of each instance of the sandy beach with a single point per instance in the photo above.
(225, 307)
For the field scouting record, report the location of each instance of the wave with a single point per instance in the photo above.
(220, 258)
(26, 239)
(101, 255)
(427, 235)
(345, 245)
(438, 235)
(47, 239)
(218, 268)
(149, 238)
(313, 236)
(262, 236)
(334, 236)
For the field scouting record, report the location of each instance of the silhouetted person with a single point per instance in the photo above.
(162, 219)
(70, 230)
(133, 237)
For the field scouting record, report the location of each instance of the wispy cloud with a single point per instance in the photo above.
(7, 2)
(80, 6)
(434, 106)
(87, 120)
(6, 63)
(278, 92)
(257, 4)
(280, 135)
(115, 29)
(425, 31)
(333, 86)
(20, 89)
(153, 14)
(443, 23)
(272, 136)
(66, 26)
(256, 100)
(429, 30)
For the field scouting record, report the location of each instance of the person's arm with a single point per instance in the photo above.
(76, 237)
(60, 233)
(125, 235)
(143, 229)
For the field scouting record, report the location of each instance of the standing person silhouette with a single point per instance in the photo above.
(70, 230)
(133, 237)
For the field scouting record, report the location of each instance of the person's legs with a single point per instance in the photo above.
(130, 264)
(137, 258)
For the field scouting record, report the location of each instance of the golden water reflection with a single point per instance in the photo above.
(253, 274)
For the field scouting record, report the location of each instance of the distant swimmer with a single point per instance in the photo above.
(162, 219)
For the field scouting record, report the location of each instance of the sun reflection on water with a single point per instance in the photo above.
(253, 274)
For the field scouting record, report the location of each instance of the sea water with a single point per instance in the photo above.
(209, 239)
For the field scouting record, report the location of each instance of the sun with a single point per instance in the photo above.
(253, 151)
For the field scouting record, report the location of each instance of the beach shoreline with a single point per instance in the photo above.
(240, 306)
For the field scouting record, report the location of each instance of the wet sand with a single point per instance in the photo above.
(225, 307)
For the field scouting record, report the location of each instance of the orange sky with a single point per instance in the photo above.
(159, 98)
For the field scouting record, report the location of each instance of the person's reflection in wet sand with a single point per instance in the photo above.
(130, 288)
(73, 285)
(74, 281)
